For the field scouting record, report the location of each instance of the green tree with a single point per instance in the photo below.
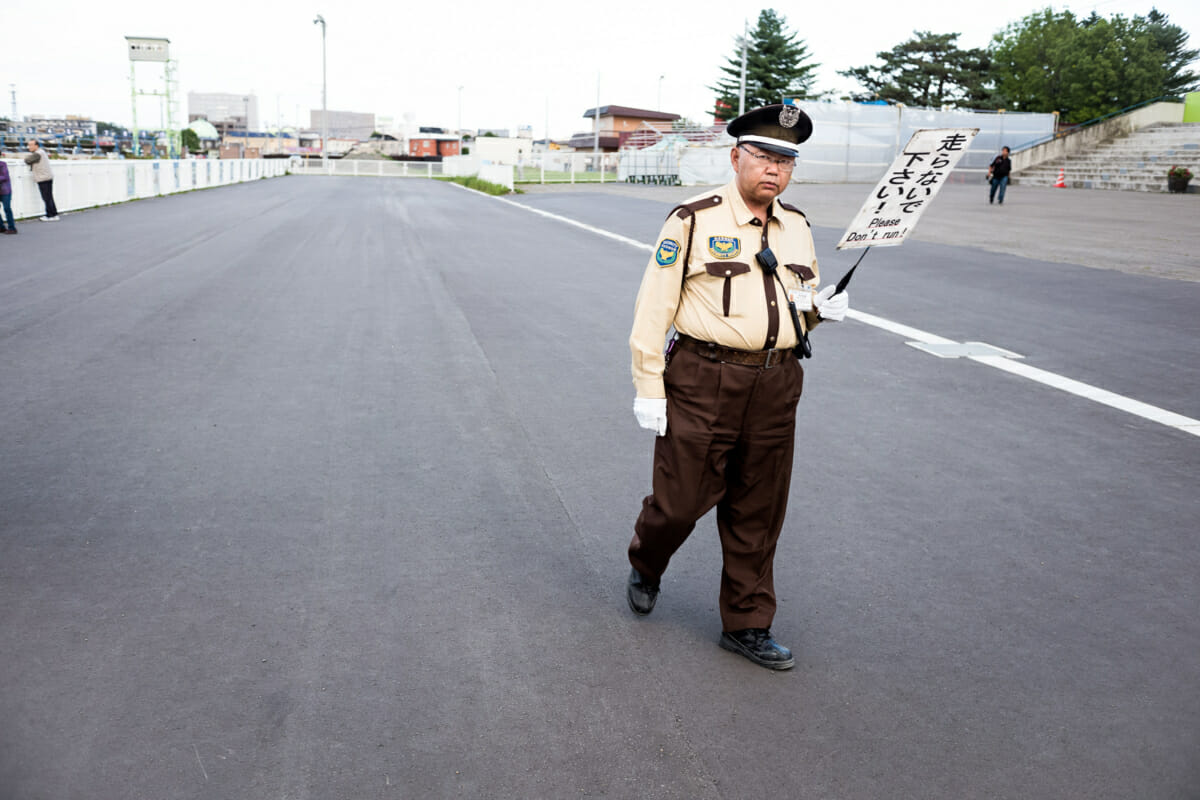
(1172, 41)
(190, 140)
(1051, 61)
(777, 65)
(929, 69)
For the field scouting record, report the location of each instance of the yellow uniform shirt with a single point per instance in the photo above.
(727, 298)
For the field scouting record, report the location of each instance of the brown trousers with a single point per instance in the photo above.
(729, 443)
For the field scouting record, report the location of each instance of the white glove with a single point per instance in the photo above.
(651, 414)
(830, 306)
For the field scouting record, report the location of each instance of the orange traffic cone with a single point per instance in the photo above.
(1062, 179)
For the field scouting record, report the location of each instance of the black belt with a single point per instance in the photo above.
(729, 355)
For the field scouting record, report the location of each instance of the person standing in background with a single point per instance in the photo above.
(998, 174)
(39, 162)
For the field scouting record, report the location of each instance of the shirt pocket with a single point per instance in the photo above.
(723, 272)
(804, 273)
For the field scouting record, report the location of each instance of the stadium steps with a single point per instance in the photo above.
(1134, 163)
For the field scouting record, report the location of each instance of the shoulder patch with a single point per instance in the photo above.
(667, 252)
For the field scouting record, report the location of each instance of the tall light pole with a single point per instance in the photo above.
(460, 132)
(324, 109)
(660, 77)
(742, 82)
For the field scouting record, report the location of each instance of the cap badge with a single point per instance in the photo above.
(789, 116)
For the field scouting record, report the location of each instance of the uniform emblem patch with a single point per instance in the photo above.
(789, 116)
(667, 252)
(724, 246)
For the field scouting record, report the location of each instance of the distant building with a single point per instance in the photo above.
(225, 110)
(261, 144)
(429, 145)
(617, 123)
(499, 133)
(70, 126)
(354, 125)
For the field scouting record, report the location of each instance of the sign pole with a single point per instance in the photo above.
(904, 192)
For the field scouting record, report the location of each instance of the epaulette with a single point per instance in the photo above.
(688, 209)
(791, 207)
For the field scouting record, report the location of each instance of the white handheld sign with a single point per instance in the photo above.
(908, 187)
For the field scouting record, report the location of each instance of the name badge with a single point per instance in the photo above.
(802, 297)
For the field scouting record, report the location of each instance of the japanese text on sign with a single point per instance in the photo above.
(907, 188)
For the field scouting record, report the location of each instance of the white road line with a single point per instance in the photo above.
(897, 328)
(1120, 402)
(590, 228)
(1084, 390)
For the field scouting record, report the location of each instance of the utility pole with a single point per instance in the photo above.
(324, 106)
(659, 106)
(13, 88)
(596, 125)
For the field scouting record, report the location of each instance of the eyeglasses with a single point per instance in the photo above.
(784, 164)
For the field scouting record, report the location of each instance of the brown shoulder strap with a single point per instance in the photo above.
(791, 207)
(684, 212)
(688, 209)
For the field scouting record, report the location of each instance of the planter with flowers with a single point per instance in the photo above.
(1177, 179)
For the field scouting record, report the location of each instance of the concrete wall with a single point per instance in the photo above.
(1093, 135)
(496, 150)
(85, 184)
(497, 173)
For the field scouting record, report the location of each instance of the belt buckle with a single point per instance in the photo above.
(770, 354)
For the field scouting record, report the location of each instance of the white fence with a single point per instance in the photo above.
(851, 143)
(86, 183)
(382, 168)
(552, 167)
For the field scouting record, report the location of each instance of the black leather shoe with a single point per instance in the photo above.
(757, 645)
(642, 593)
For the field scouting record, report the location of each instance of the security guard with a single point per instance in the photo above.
(735, 273)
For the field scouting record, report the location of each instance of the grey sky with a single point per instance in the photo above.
(519, 63)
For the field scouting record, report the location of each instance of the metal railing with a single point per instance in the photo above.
(557, 166)
(1062, 133)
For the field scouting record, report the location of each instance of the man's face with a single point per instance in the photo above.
(32, 146)
(1004, 152)
(761, 176)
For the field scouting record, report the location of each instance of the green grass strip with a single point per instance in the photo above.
(472, 182)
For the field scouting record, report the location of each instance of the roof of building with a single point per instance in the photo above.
(586, 141)
(626, 111)
(204, 129)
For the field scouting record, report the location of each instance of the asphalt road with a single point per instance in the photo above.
(321, 487)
